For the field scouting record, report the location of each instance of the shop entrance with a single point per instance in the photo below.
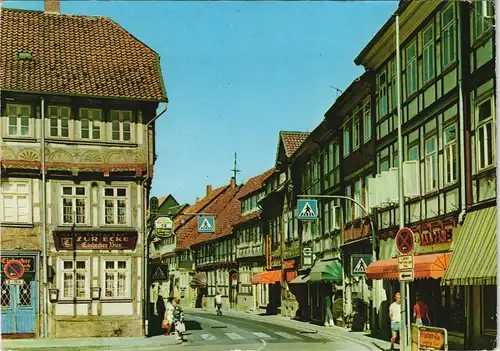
(18, 305)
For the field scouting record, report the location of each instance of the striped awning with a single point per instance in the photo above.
(474, 260)
(329, 271)
(301, 279)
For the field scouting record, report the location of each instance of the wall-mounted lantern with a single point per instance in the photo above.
(96, 293)
(53, 295)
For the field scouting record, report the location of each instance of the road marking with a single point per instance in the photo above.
(207, 337)
(234, 336)
(287, 336)
(262, 335)
(312, 335)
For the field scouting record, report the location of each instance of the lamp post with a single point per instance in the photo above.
(372, 227)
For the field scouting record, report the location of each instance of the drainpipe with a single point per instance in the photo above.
(44, 224)
(463, 204)
(145, 243)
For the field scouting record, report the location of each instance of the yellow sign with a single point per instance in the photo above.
(405, 263)
(432, 339)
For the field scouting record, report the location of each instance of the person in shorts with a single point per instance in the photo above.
(395, 316)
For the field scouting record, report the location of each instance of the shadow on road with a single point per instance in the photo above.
(192, 325)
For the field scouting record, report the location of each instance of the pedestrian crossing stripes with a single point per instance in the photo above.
(287, 336)
(262, 335)
(234, 336)
(255, 335)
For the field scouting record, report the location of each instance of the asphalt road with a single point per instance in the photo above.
(209, 332)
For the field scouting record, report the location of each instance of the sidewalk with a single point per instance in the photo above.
(335, 331)
(142, 342)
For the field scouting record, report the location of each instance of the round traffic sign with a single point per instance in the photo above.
(405, 241)
(14, 269)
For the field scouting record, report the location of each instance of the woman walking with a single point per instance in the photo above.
(178, 314)
(168, 318)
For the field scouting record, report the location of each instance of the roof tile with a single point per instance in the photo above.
(78, 55)
(292, 141)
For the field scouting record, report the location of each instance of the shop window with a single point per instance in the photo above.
(116, 278)
(489, 308)
(75, 279)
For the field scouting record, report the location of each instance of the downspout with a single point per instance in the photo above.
(44, 224)
(145, 243)
(463, 204)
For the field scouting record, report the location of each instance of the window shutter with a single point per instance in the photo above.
(9, 205)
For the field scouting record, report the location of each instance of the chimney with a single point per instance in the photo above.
(197, 199)
(233, 182)
(52, 6)
(209, 189)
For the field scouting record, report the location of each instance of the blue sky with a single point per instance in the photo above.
(236, 74)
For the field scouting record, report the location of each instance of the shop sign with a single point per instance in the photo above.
(290, 275)
(27, 262)
(289, 264)
(432, 338)
(164, 226)
(439, 236)
(268, 252)
(307, 257)
(95, 240)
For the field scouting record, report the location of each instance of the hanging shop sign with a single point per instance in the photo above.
(164, 226)
(268, 252)
(289, 264)
(70, 240)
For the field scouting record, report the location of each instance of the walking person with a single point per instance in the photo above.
(178, 319)
(395, 316)
(329, 315)
(168, 318)
(160, 310)
(218, 303)
(421, 311)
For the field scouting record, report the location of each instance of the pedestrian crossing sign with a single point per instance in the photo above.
(307, 210)
(359, 264)
(206, 224)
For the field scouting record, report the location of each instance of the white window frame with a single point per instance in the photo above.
(348, 204)
(128, 276)
(428, 64)
(59, 118)
(481, 128)
(485, 19)
(367, 122)
(119, 116)
(61, 270)
(73, 196)
(346, 139)
(411, 70)
(358, 194)
(431, 164)
(94, 124)
(355, 131)
(19, 118)
(448, 30)
(450, 147)
(382, 108)
(410, 148)
(17, 194)
(115, 198)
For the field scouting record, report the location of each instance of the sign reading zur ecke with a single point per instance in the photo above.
(95, 241)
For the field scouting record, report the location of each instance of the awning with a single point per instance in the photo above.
(424, 267)
(269, 277)
(474, 260)
(199, 280)
(326, 271)
(301, 279)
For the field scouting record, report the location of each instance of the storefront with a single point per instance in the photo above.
(432, 257)
(96, 290)
(471, 279)
(272, 280)
(289, 304)
(323, 275)
(20, 294)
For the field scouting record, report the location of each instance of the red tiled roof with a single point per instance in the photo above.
(185, 231)
(226, 209)
(255, 183)
(78, 55)
(247, 218)
(292, 141)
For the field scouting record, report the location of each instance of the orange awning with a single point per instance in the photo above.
(425, 266)
(269, 277)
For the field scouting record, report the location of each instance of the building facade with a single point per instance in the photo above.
(76, 169)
